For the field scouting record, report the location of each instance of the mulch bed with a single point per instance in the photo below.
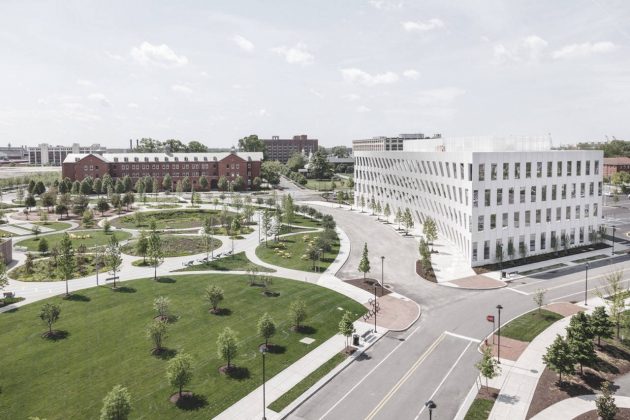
(489, 394)
(614, 361)
(425, 273)
(623, 413)
(185, 395)
(368, 285)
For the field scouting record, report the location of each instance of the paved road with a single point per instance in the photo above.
(435, 358)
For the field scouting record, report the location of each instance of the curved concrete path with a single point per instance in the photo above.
(573, 407)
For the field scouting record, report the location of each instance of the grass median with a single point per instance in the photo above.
(528, 326)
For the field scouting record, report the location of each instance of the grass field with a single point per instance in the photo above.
(167, 219)
(528, 326)
(479, 410)
(236, 262)
(106, 345)
(176, 245)
(96, 238)
(44, 270)
(293, 248)
(306, 222)
(53, 225)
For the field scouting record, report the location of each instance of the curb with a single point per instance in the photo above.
(444, 284)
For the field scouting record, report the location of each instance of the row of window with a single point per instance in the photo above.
(570, 213)
(566, 191)
(562, 168)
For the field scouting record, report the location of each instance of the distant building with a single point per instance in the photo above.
(282, 149)
(616, 164)
(47, 155)
(156, 165)
(14, 154)
(6, 250)
(387, 144)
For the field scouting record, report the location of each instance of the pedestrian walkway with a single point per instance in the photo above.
(250, 406)
(573, 407)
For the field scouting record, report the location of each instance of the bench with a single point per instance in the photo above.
(9, 295)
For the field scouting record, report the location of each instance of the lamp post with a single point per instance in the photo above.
(499, 307)
(430, 405)
(375, 309)
(586, 286)
(264, 351)
(613, 241)
(382, 269)
(258, 226)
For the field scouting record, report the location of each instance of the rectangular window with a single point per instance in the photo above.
(591, 189)
(487, 198)
(543, 240)
(506, 171)
(486, 250)
(482, 172)
(528, 217)
(588, 167)
(573, 190)
(504, 222)
(522, 195)
(511, 195)
(595, 209)
(533, 194)
(475, 198)
(480, 223)
(586, 210)
(563, 193)
(517, 219)
(493, 171)
(549, 169)
(569, 167)
(532, 242)
(474, 251)
(499, 196)
(543, 193)
(493, 221)
(559, 169)
(538, 215)
(548, 218)
(582, 190)
(517, 170)
(528, 170)
(578, 168)
(567, 213)
(577, 212)
(597, 167)
(538, 169)
(554, 190)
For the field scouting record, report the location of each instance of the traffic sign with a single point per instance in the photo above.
(490, 318)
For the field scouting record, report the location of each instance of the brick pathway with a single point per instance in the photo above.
(564, 308)
(510, 349)
(396, 312)
(478, 282)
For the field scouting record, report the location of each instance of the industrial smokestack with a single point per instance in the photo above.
(130, 144)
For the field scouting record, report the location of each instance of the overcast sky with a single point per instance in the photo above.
(107, 71)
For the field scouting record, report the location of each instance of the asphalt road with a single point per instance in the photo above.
(435, 358)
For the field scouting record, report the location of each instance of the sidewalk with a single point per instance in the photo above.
(250, 406)
(573, 407)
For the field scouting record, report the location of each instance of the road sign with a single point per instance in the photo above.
(490, 318)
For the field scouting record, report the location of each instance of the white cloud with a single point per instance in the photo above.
(115, 57)
(161, 55)
(350, 97)
(83, 82)
(243, 43)
(100, 98)
(262, 112)
(363, 108)
(420, 26)
(386, 5)
(354, 75)
(179, 88)
(132, 105)
(584, 50)
(295, 55)
(439, 97)
(535, 46)
(411, 74)
(529, 49)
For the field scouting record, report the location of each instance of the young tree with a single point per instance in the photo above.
(42, 246)
(408, 220)
(227, 346)
(167, 182)
(50, 314)
(387, 211)
(266, 328)
(161, 304)
(29, 264)
(30, 202)
(66, 261)
(605, 403)
(36, 231)
(580, 340)
(19, 195)
(4, 281)
(155, 251)
(488, 366)
(203, 183)
(429, 229)
(398, 217)
(364, 265)
(98, 186)
(142, 246)
(222, 184)
(346, 327)
(179, 371)
(107, 227)
(267, 224)
(116, 404)
(157, 332)
(88, 218)
(214, 295)
(615, 302)
(297, 313)
(362, 203)
(559, 357)
(601, 325)
(539, 298)
(114, 259)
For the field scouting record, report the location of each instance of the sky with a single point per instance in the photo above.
(215, 71)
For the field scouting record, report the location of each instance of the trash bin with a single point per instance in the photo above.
(355, 340)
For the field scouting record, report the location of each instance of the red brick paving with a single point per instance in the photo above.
(510, 349)
(478, 282)
(395, 313)
(564, 308)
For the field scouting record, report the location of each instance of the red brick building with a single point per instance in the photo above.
(282, 149)
(616, 164)
(156, 165)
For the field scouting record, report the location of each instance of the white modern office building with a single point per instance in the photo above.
(489, 195)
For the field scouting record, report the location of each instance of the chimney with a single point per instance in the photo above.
(137, 143)
(130, 144)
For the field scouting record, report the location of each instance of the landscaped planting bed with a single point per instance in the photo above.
(167, 219)
(106, 345)
(89, 238)
(236, 262)
(289, 252)
(176, 245)
(44, 269)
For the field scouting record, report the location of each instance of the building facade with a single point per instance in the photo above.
(616, 164)
(282, 149)
(47, 155)
(387, 144)
(156, 165)
(485, 196)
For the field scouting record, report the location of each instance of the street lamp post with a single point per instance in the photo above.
(499, 307)
(586, 286)
(613, 241)
(375, 309)
(264, 351)
(431, 406)
(382, 269)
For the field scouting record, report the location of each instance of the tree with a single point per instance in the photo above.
(267, 224)
(31, 186)
(40, 188)
(613, 289)
(19, 195)
(88, 218)
(297, 313)
(235, 227)
(266, 328)
(179, 371)
(155, 252)
(102, 205)
(30, 202)
(227, 346)
(48, 200)
(157, 331)
(407, 220)
(29, 264)
(539, 298)
(288, 210)
(559, 357)
(142, 246)
(155, 187)
(80, 204)
(114, 259)
(214, 295)
(186, 185)
(128, 199)
(222, 184)
(387, 211)
(196, 147)
(429, 229)
(346, 326)
(116, 404)
(238, 184)
(66, 261)
(605, 403)
(50, 314)
(42, 246)
(85, 187)
(98, 186)
(175, 146)
(119, 187)
(107, 226)
(148, 145)
(488, 366)
(296, 162)
(167, 182)
(4, 281)
(203, 183)
(252, 143)
(398, 216)
(271, 170)
(319, 165)
(601, 325)
(179, 188)
(580, 340)
(256, 183)
(364, 265)
(36, 231)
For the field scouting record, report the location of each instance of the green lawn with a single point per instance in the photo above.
(53, 225)
(236, 262)
(167, 219)
(479, 410)
(176, 245)
(106, 345)
(528, 326)
(301, 387)
(90, 238)
(289, 253)
(45, 270)
(304, 221)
